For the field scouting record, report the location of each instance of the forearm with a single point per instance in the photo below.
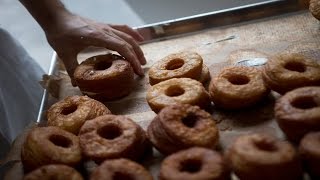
(46, 12)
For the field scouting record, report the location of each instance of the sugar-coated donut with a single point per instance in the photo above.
(182, 126)
(54, 172)
(180, 65)
(70, 113)
(50, 145)
(286, 72)
(194, 164)
(120, 169)
(310, 152)
(112, 136)
(177, 90)
(105, 77)
(237, 87)
(298, 112)
(263, 157)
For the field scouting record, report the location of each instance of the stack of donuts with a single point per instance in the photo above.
(105, 77)
(178, 78)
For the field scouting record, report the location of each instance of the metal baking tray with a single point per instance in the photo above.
(183, 26)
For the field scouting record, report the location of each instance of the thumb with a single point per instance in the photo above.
(70, 62)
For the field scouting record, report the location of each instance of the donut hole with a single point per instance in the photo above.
(304, 103)
(173, 91)
(110, 131)
(102, 65)
(61, 141)
(190, 120)
(69, 109)
(265, 145)
(295, 66)
(175, 64)
(190, 166)
(238, 79)
(121, 176)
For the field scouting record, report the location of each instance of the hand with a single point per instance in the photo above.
(73, 33)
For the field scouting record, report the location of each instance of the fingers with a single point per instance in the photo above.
(115, 43)
(134, 45)
(128, 30)
(70, 62)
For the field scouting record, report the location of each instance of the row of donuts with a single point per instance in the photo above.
(253, 156)
(110, 77)
(234, 87)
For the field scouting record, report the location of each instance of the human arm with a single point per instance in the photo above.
(68, 34)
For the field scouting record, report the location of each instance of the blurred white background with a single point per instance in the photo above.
(15, 19)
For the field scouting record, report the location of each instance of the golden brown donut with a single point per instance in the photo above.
(177, 90)
(54, 172)
(180, 65)
(314, 8)
(286, 72)
(298, 112)
(237, 87)
(105, 77)
(310, 152)
(263, 157)
(205, 74)
(112, 136)
(182, 126)
(120, 169)
(194, 164)
(50, 145)
(70, 113)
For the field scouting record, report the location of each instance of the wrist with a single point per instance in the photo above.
(48, 13)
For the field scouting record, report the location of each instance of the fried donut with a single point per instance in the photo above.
(263, 157)
(286, 72)
(182, 126)
(237, 87)
(105, 77)
(120, 169)
(177, 90)
(110, 137)
(54, 171)
(70, 113)
(50, 145)
(314, 8)
(298, 112)
(310, 152)
(179, 65)
(194, 164)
